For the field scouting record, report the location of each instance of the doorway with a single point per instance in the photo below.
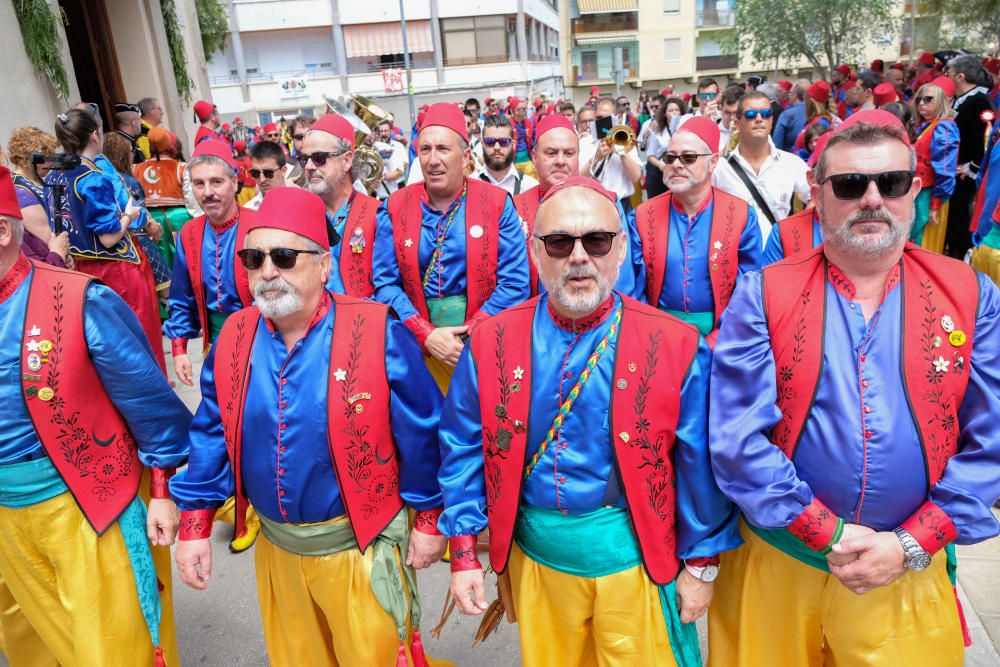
(92, 50)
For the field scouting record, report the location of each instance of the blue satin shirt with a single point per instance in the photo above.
(774, 251)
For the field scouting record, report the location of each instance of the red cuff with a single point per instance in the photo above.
(178, 346)
(702, 562)
(815, 526)
(420, 327)
(158, 478)
(931, 527)
(426, 521)
(477, 319)
(196, 524)
(463, 553)
(935, 203)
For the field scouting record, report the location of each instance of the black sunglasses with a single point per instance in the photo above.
(685, 158)
(282, 258)
(854, 186)
(492, 141)
(268, 173)
(560, 246)
(750, 114)
(318, 158)
(926, 99)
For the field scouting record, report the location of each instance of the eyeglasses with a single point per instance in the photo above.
(282, 258)
(268, 173)
(318, 158)
(685, 158)
(560, 246)
(298, 137)
(707, 96)
(273, 135)
(891, 184)
(492, 141)
(750, 114)
(926, 99)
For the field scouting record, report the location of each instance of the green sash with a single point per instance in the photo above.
(992, 240)
(448, 311)
(704, 321)
(215, 322)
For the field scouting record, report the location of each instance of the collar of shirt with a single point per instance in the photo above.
(845, 287)
(512, 175)
(701, 207)
(15, 276)
(960, 100)
(425, 201)
(583, 323)
(227, 224)
(321, 310)
(773, 154)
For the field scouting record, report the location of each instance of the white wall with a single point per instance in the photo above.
(269, 15)
(283, 50)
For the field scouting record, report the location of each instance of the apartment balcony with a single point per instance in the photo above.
(601, 23)
(706, 64)
(715, 18)
(588, 75)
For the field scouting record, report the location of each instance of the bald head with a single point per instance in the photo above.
(556, 156)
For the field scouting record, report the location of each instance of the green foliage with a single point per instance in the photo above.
(972, 24)
(823, 32)
(214, 24)
(176, 43)
(41, 42)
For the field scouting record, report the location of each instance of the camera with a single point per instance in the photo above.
(59, 161)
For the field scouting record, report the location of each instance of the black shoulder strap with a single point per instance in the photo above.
(757, 197)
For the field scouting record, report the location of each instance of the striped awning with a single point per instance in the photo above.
(608, 6)
(383, 39)
(607, 38)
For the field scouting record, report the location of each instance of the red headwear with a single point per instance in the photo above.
(686, 97)
(945, 84)
(884, 93)
(872, 116)
(551, 122)
(581, 182)
(705, 129)
(594, 90)
(227, 126)
(784, 83)
(237, 120)
(217, 148)
(293, 210)
(878, 66)
(8, 198)
(239, 146)
(537, 102)
(336, 125)
(512, 104)
(446, 115)
(993, 66)
(270, 127)
(203, 110)
(900, 66)
(819, 91)
(845, 70)
(926, 58)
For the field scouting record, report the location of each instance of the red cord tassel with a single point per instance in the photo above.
(966, 635)
(417, 651)
(159, 662)
(401, 656)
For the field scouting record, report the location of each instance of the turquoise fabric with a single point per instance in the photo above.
(29, 483)
(921, 211)
(447, 311)
(596, 544)
(704, 321)
(992, 240)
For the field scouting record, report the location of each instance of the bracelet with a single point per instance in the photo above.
(838, 532)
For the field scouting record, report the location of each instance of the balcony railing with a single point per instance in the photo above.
(602, 72)
(475, 60)
(586, 25)
(715, 18)
(709, 63)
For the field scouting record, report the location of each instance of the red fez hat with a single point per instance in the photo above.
(257, 130)
(900, 66)
(686, 97)
(945, 84)
(551, 122)
(336, 125)
(512, 103)
(845, 70)
(487, 101)
(423, 108)
(786, 84)
(270, 127)
(705, 129)
(993, 66)
(878, 65)
(819, 91)
(237, 120)
(239, 146)
(537, 102)
(581, 182)
(884, 93)
(216, 148)
(203, 109)
(420, 120)
(293, 210)
(446, 115)
(926, 58)
(594, 90)
(8, 198)
(227, 126)
(871, 116)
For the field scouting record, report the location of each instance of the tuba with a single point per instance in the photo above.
(365, 116)
(621, 138)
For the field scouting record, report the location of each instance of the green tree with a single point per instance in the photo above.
(214, 25)
(973, 24)
(823, 32)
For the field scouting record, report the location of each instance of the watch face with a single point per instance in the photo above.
(710, 573)
(919, 561)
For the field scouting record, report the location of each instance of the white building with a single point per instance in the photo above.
(284, 56)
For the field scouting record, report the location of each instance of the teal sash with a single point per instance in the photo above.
(597, 544)
(32, 482)
(448, 311)
(215, 322)
(992, 240)
(704, 321)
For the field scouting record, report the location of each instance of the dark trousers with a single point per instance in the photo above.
(958, 238)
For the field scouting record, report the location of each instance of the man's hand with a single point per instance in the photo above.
(425, 550)
(154, 230)
(445, 345)
(851, 530)
(162, 519)
(880, 561)
(194, 562)
(694, 596)
(603, 150)
(59, 244)
(467, 587)
(182, 369)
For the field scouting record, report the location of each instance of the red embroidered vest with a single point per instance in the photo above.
(796, 232)
(729, 219)
(933, 286)
(79, 427)
(527, 204)
(192, 239)
(356, 267)
(922, 147)
(653, 355)
(360, 438)
(484, 204)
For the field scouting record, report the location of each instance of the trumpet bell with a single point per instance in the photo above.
(621, 138)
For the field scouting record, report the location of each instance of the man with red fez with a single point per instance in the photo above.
(86, 410)
(878, 66)
(697, 240)
(335, 564)
(557, 157)
(327, 156)
(884, 93)
(449, 251)
(852, 419)
(926, 70)
(841, 80)
(817, 110)
(575, 431)
(207, 114)
(524, 135)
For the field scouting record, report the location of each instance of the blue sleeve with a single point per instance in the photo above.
(774, 251)
(387, 280)
(184, 319)
(462, 480)
(101, 212)
(208, 480)
(156, 417)
(414, 410)
(781, 132)
(135, 191)
(632, 281)
(750, 244)
(707, 522)
(971, 481)
(749, 469)
(512, 263)
(944, 159)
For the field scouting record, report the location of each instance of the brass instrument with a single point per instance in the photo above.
(621, 138)
(365, 116)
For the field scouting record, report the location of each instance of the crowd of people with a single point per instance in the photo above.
(723, 353)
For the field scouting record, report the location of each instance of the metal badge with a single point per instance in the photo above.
(46, 394)
(947, 324)
(957, 338)
(34, 362)
(476, 231)
(622, 383)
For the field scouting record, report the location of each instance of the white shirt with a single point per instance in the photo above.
(612, 175)
(782, 175)
(513, 181)
(397, 160)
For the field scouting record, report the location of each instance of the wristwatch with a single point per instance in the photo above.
(707, 573)
(914, 555)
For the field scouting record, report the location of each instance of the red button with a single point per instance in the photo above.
(280, 492)
(868, 434)
(281, 471)
(868, 409)
(284, 381)
(281, 449)
(863, 358)
(864, 383)
(562, 480)
(283, 426)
